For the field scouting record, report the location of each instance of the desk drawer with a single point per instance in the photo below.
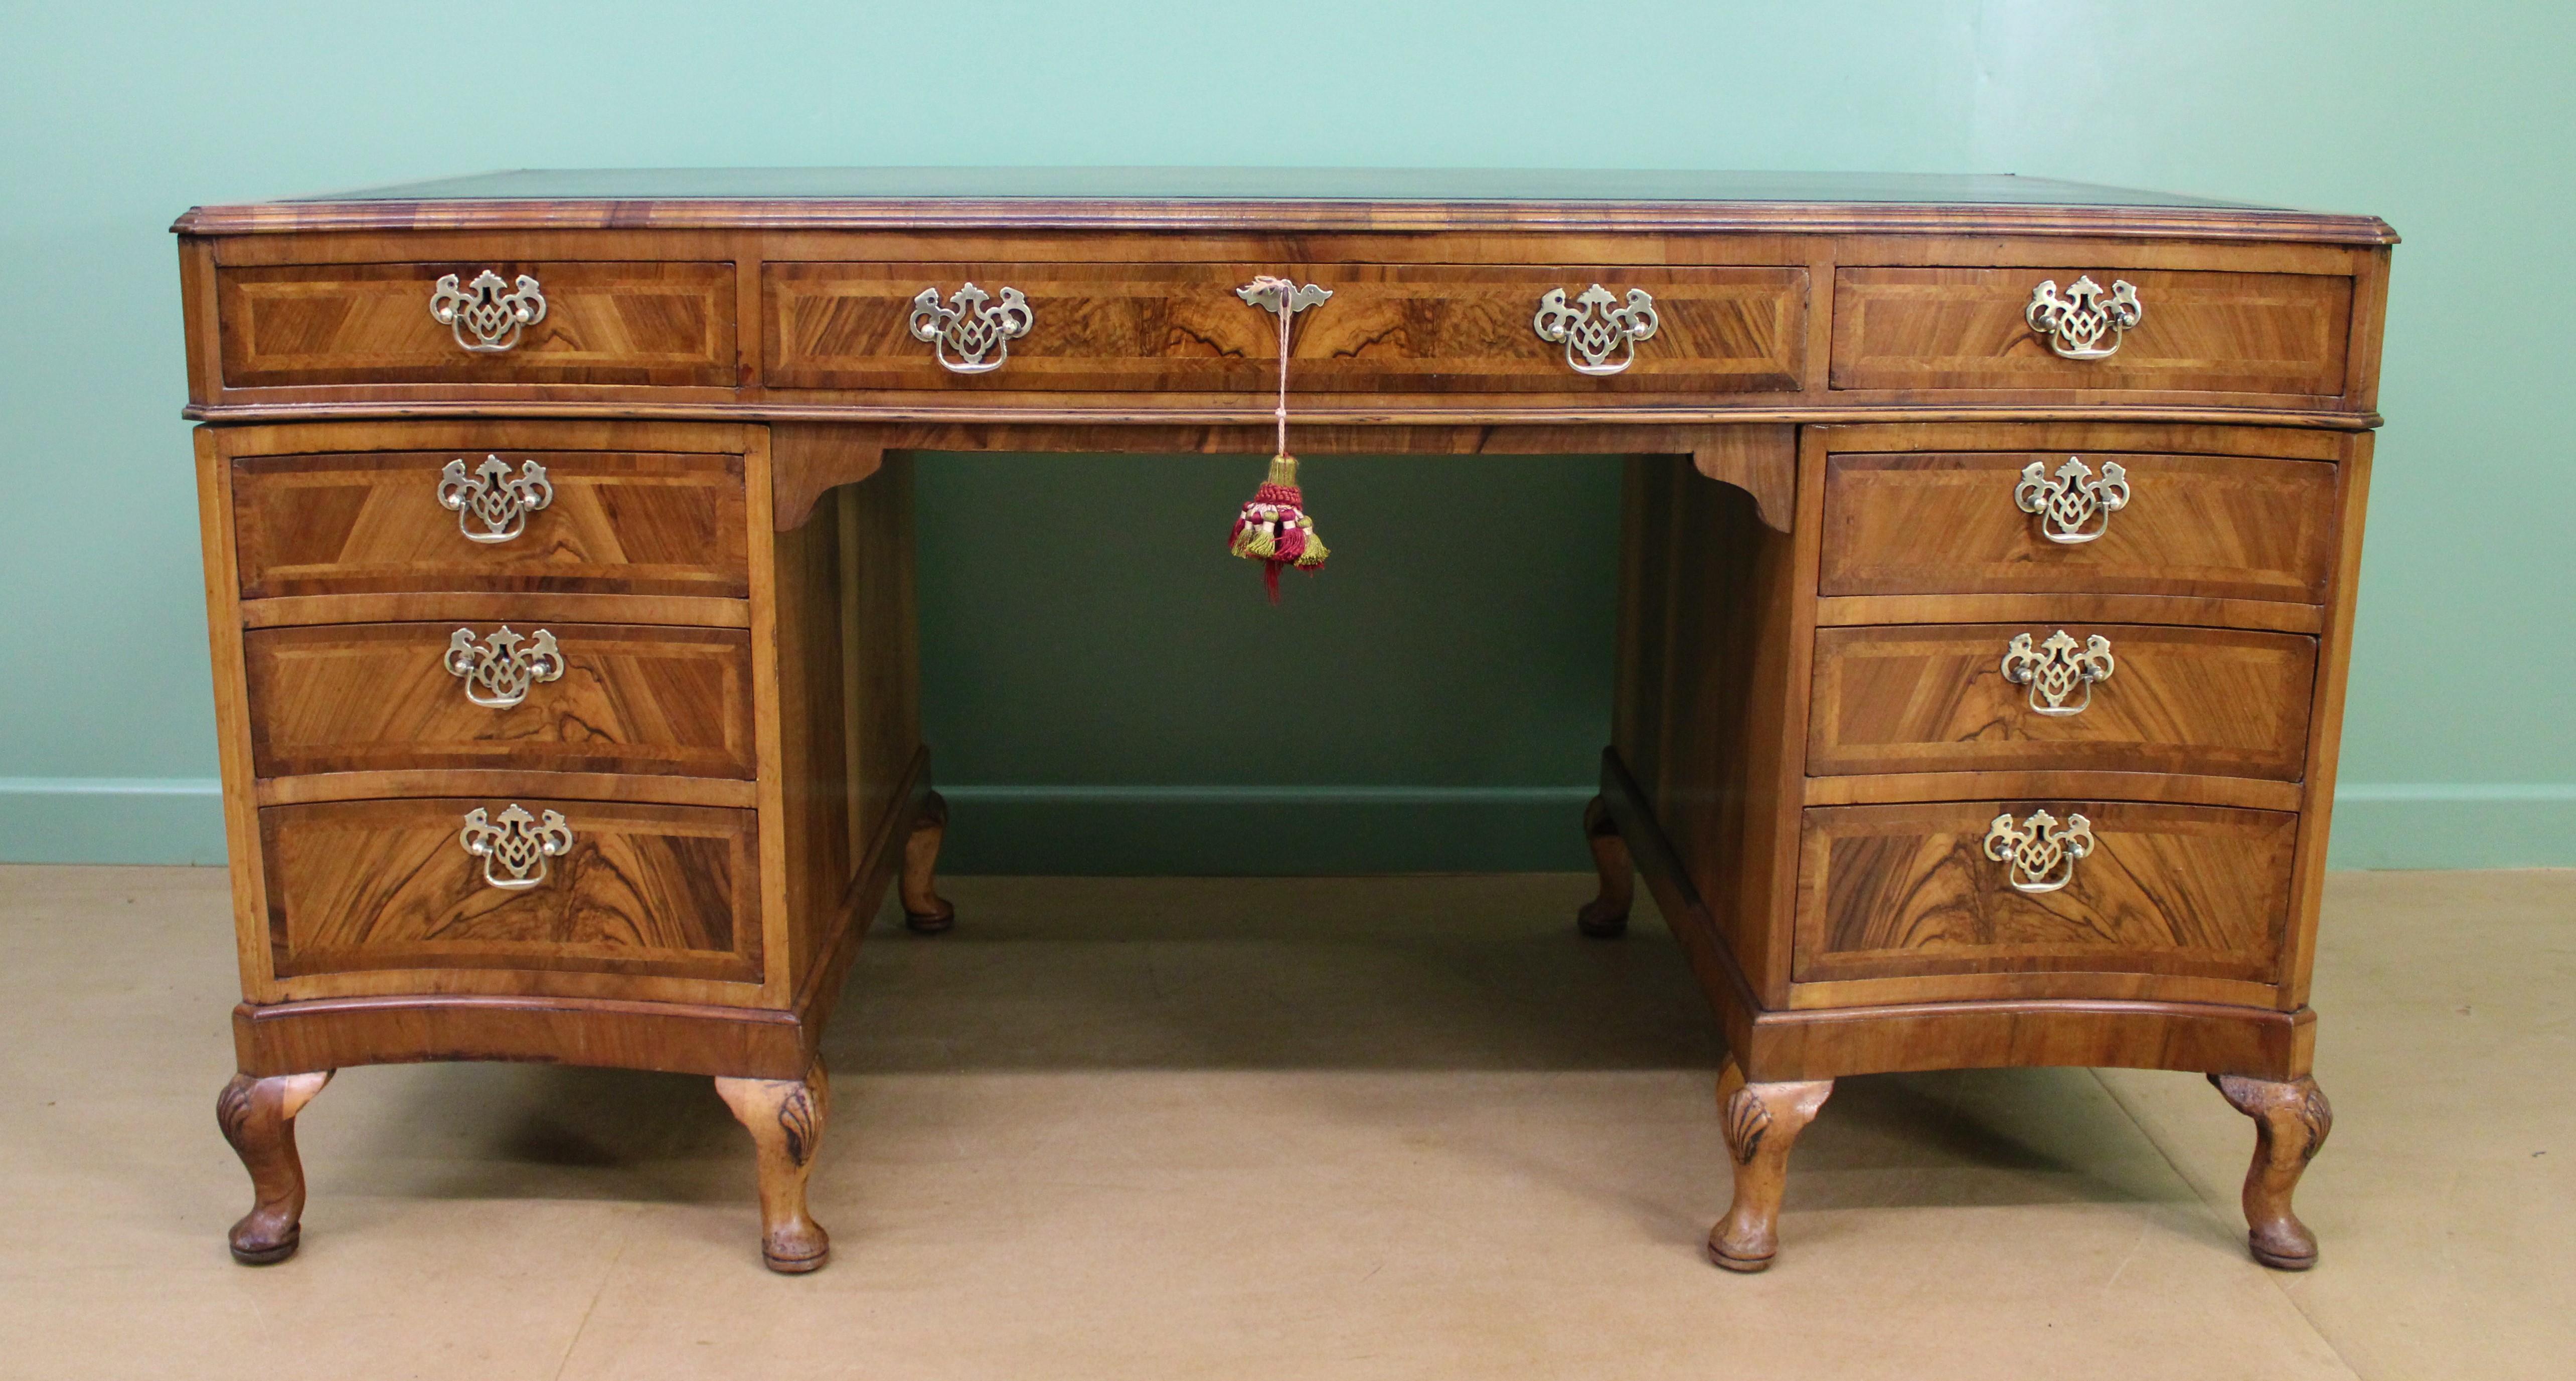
(1180, 328)
(1912, 891)
(601, 522)
(669, 891)
(2003, 697)
(2244, 527)
(535, 694)
(1971, 328)
(668, 324)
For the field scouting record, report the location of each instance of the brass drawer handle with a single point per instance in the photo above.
(487, 310)
(498, 670)
(972, 326)
(518, 844)
(491, 496)
(2072, 506)
(1604, 333)
(2055, 670)
(2075, 324)
(2039, 854)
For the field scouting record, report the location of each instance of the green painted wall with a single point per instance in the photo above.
(1111, 692)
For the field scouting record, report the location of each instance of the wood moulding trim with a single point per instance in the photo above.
(1855, 611)
(769, 729)
(2197, 1037)
(463, 427)
(1255, 417)
(1284, 215)
(689, 611)
(1909, 788)
(572, 786)
(2159, 990)
(810, 459)
(673, 1037)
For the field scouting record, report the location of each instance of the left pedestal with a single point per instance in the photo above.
(540, 743)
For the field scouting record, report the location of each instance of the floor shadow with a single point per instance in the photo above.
(1465, 975)
(1470, 972)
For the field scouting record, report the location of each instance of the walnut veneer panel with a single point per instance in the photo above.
(369, 523)
(1907, 891)
(2244, 527)
(646, 890)
(1933, 698)
(1964, 328)
(1179, 328)
(379, 697)
(669, 324)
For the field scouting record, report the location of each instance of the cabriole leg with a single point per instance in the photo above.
(1606, 916)
(923, 908)
(1762, 1121)
(258, 1118)
(2290, 1124)
(785, 1118)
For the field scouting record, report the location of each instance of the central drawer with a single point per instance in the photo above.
(2060, 697)
(1180, 328)
(535, 694)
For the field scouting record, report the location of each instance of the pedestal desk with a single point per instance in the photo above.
(1987, 583)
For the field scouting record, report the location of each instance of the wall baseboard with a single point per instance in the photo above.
(111, 820)
(2454, 825)
(1257, 831)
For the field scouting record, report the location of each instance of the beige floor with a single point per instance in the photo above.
(1407, 1128)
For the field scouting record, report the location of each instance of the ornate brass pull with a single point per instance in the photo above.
(491, 496)
(2038, 854)
(2072, 507)
(487, 309)
(498, 671)
(2075, 324)
(2058, 669)
(1595, 327)
(969, 327)
(517, 844)
(1275, 295)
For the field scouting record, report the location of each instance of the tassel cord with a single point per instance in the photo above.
(1287, 313)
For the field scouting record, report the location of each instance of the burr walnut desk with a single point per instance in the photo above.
(1987, 584)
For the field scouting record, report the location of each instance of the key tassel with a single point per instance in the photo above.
(1274, 529)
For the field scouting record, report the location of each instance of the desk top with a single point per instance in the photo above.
(1283, 199)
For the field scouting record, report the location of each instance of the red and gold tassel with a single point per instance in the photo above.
(1274, 529)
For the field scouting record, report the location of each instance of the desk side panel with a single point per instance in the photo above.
(804, 774)
(1711, 693)
(847, 705)
(232, 715)
(880, 647)
(2325, 740)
